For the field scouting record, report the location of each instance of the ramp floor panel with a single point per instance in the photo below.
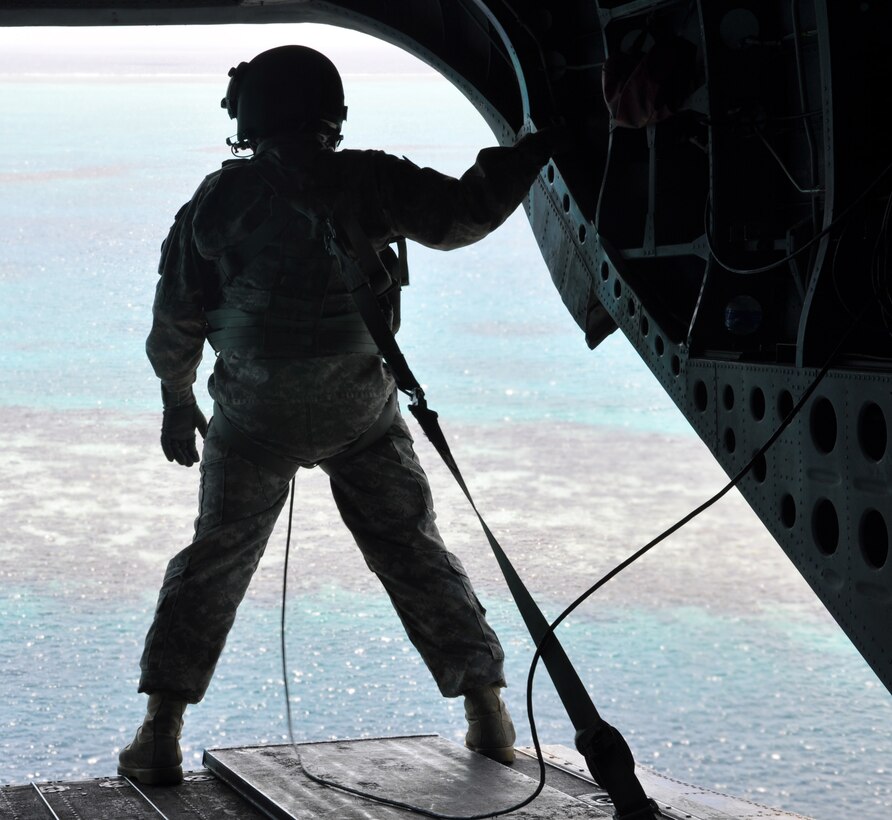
(201, 796)
(425, 771)
(262, 782)
(677, 800)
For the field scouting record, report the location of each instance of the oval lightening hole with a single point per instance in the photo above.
(760, 469)
(701, 396)
(728, 397)
(872, 433)
(730, 440)
(757, 404)
(784, 404)
(822, 420)
(825, 526)
(788, 511)
(874, 537)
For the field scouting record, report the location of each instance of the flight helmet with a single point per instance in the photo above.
(285, 89)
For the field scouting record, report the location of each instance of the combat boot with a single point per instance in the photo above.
(490, 730)
(154, 756)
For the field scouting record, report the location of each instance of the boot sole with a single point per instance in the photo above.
(167, 776)
(504, 754)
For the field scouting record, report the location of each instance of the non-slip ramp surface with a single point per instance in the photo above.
(677, 800)
(200, 797)
(425, 771)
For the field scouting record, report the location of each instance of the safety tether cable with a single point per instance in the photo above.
(737, 478)
(545, 638)
(348, 789)
(604, 748)
(547, 635)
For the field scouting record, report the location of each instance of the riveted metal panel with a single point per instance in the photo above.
(427, 771)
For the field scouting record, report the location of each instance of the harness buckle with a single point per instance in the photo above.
(416, 394)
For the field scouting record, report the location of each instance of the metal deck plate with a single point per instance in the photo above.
(676, 799)
(115, 798)
(426, 771)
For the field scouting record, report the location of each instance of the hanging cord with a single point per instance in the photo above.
(339, 786)
(419, 408)
(542, 644)
(809, 391)
(282, 622)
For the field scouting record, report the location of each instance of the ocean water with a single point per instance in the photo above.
(711, 655)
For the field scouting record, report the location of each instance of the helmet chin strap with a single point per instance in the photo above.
(330, 140)
(236, 145)
(330, 136)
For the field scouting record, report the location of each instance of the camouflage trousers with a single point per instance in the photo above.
(384, 499)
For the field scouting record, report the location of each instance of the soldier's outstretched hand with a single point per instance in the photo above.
(178, 428)
(552, 140)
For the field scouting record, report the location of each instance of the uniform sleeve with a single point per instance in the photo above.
(174, 345)
(443, 212)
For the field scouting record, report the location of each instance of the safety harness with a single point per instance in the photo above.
(288, 327)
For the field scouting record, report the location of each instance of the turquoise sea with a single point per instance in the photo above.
(712, 655)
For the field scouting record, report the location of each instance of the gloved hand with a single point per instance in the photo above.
(550, 141)
(178, 432)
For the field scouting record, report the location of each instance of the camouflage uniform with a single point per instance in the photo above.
(307, 408)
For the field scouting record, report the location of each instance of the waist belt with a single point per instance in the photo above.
(235, 329)
(249, 449)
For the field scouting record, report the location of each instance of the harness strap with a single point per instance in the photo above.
(287, 344)
(402, 262)
(367, 439)
(285, 468)
(289, 327)
(233, 328)
(357, 279)
(604, 748)
(236, 257)
(249, 449)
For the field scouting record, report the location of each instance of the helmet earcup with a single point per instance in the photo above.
(230, 101)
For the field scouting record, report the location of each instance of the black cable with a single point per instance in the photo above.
(783, 260)
(282, 622)
(783, 167)
(348, 789)
(487, 32)
(537, 655)
(738, 477)
(803, 96)
(833, 277)
(806, 124)
(580, 599)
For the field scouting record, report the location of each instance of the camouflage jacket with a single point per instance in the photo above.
(309, 408)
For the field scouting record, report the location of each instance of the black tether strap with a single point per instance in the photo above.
(605, 750)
